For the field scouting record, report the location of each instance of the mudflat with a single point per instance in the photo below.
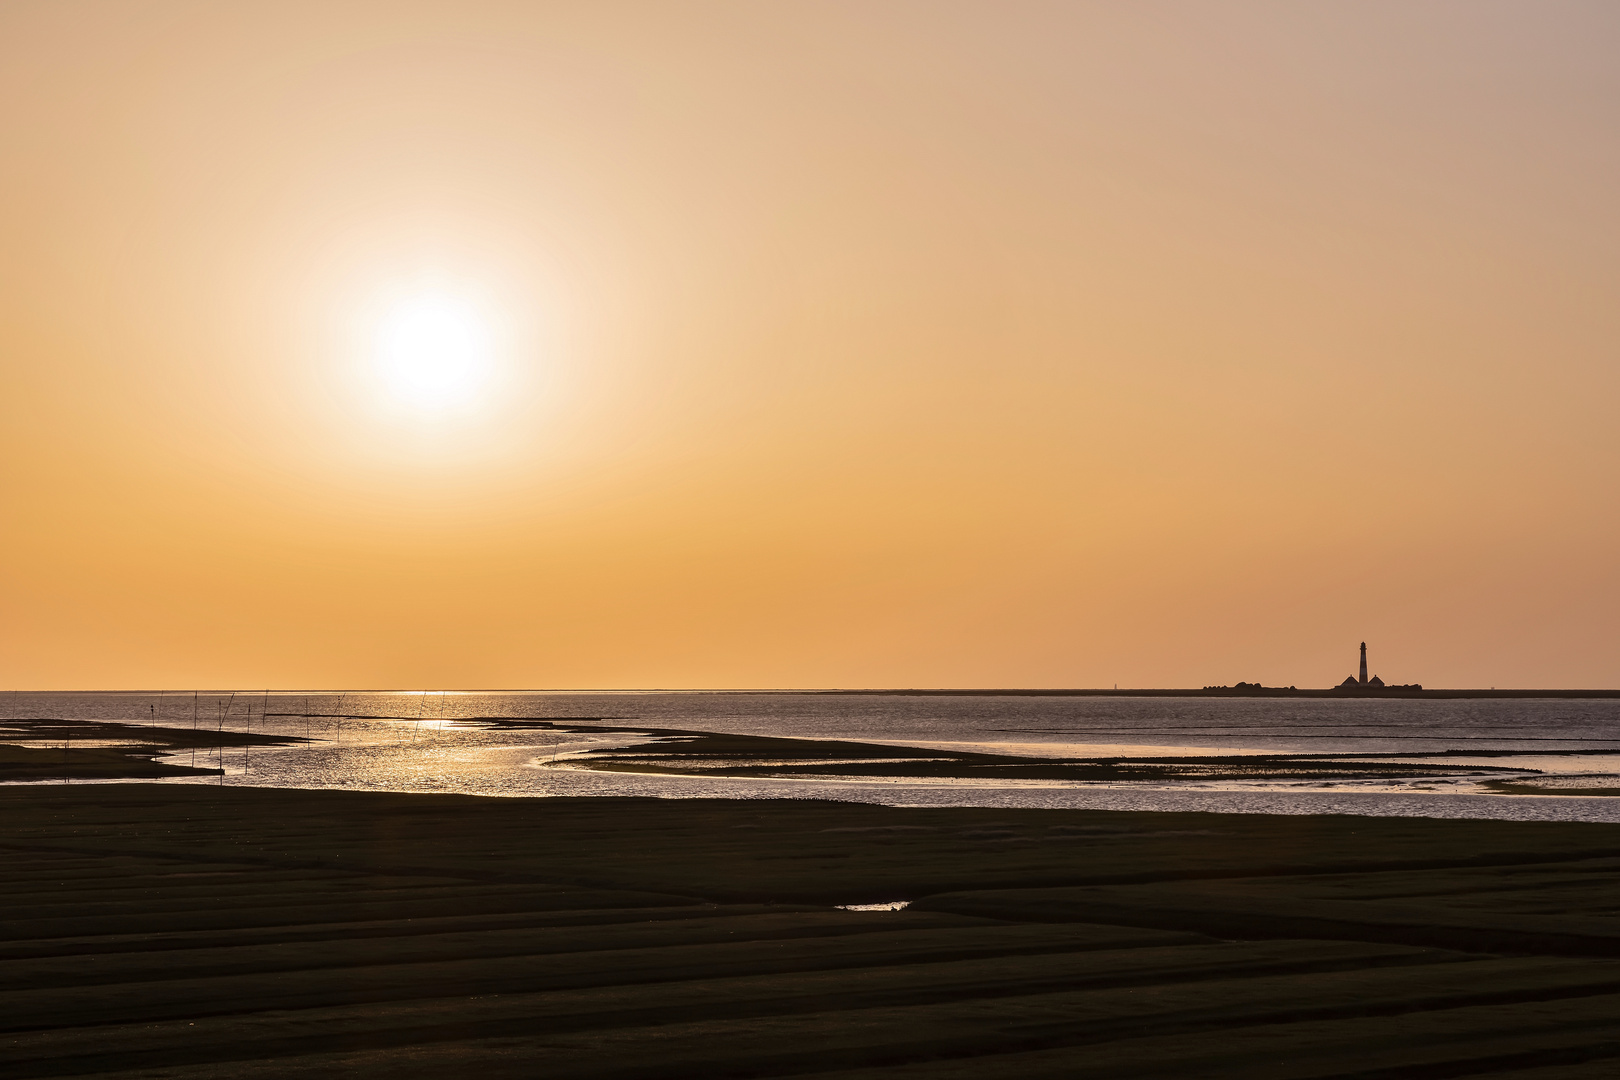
(191, 931)
(60, 749)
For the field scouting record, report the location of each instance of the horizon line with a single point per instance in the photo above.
(1203, 691)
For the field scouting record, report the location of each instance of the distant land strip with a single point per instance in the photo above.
(1212, 692)
(1220, 692)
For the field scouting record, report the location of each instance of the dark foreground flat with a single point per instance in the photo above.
(188, 931)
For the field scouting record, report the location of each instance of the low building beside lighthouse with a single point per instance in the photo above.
(1351, 683)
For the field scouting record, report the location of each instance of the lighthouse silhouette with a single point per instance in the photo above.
(1365, 682)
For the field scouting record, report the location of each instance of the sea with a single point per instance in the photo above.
(429, 741)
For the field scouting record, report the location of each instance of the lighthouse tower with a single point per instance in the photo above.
(1363, 663)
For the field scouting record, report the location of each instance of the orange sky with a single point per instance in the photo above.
(865, 344)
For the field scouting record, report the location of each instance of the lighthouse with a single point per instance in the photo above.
(1352, 684)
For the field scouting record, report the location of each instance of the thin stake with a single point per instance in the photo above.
(221, 733)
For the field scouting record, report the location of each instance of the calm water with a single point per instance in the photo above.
(415, 745)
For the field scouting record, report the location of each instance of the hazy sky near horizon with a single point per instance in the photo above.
(808, 344)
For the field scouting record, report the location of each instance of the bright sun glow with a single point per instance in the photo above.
(434, 352)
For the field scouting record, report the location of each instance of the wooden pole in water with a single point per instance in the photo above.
(221, 733)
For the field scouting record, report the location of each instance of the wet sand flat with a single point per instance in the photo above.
(191, 931)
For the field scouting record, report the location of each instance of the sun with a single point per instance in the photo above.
(434, 352)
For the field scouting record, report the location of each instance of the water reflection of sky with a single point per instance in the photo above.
(429, 745)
